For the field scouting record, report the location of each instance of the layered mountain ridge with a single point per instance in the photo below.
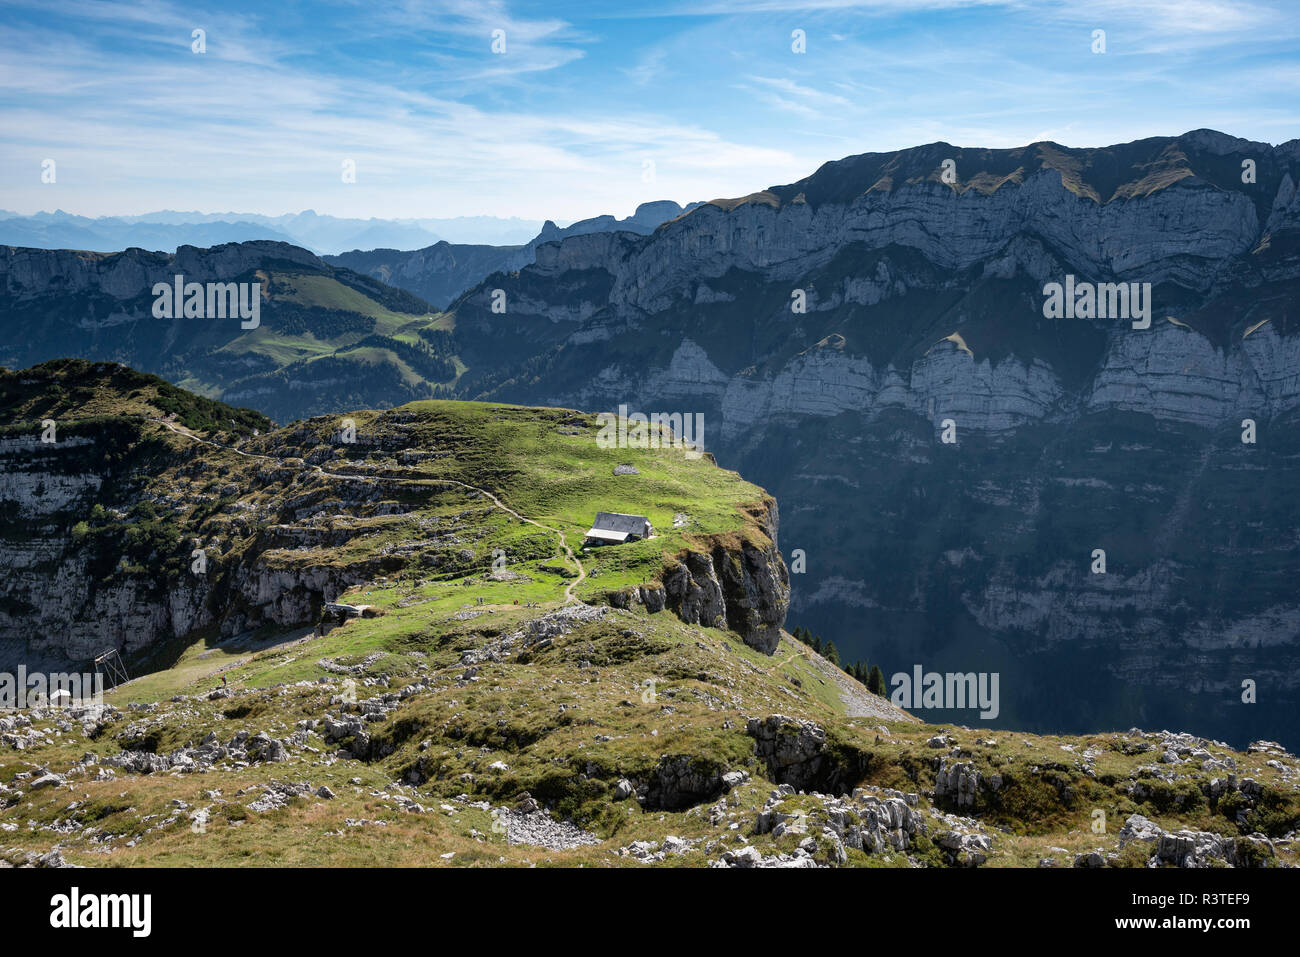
(166, 230)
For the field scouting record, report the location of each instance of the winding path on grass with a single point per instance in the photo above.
(565, 550)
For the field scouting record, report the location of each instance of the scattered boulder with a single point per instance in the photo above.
(964, 849)
(47, 780)
(278, 794)
(751, 857)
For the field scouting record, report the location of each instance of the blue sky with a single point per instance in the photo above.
(593, 107)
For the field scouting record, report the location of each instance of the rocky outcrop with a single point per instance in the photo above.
(871, 820)
(964, 849)
(683, 780)
(747, 591)
(745, 587)
(1195, 849)
(957, 784)
(800, 754)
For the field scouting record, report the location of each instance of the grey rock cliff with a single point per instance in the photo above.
(745, 588)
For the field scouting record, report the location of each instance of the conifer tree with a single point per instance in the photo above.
(876, 682)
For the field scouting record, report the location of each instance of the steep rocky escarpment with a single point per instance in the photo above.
(742, 585)
(121, 533)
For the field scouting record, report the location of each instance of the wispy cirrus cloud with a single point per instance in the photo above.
(789, 94)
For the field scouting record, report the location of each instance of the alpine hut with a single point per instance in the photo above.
(615, 528)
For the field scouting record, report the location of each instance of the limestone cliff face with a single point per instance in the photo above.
(131, 274)
(1169, 234)
(744, 587)
(1164, 238)
(1196, 242)
(1192, 236)
(47, 591)
(69, 603)
(1170, 372)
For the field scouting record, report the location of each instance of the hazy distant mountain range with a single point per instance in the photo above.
(168, 229)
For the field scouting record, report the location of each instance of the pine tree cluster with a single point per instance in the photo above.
(870, 676)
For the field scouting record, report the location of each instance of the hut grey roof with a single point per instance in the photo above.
(618, 522)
